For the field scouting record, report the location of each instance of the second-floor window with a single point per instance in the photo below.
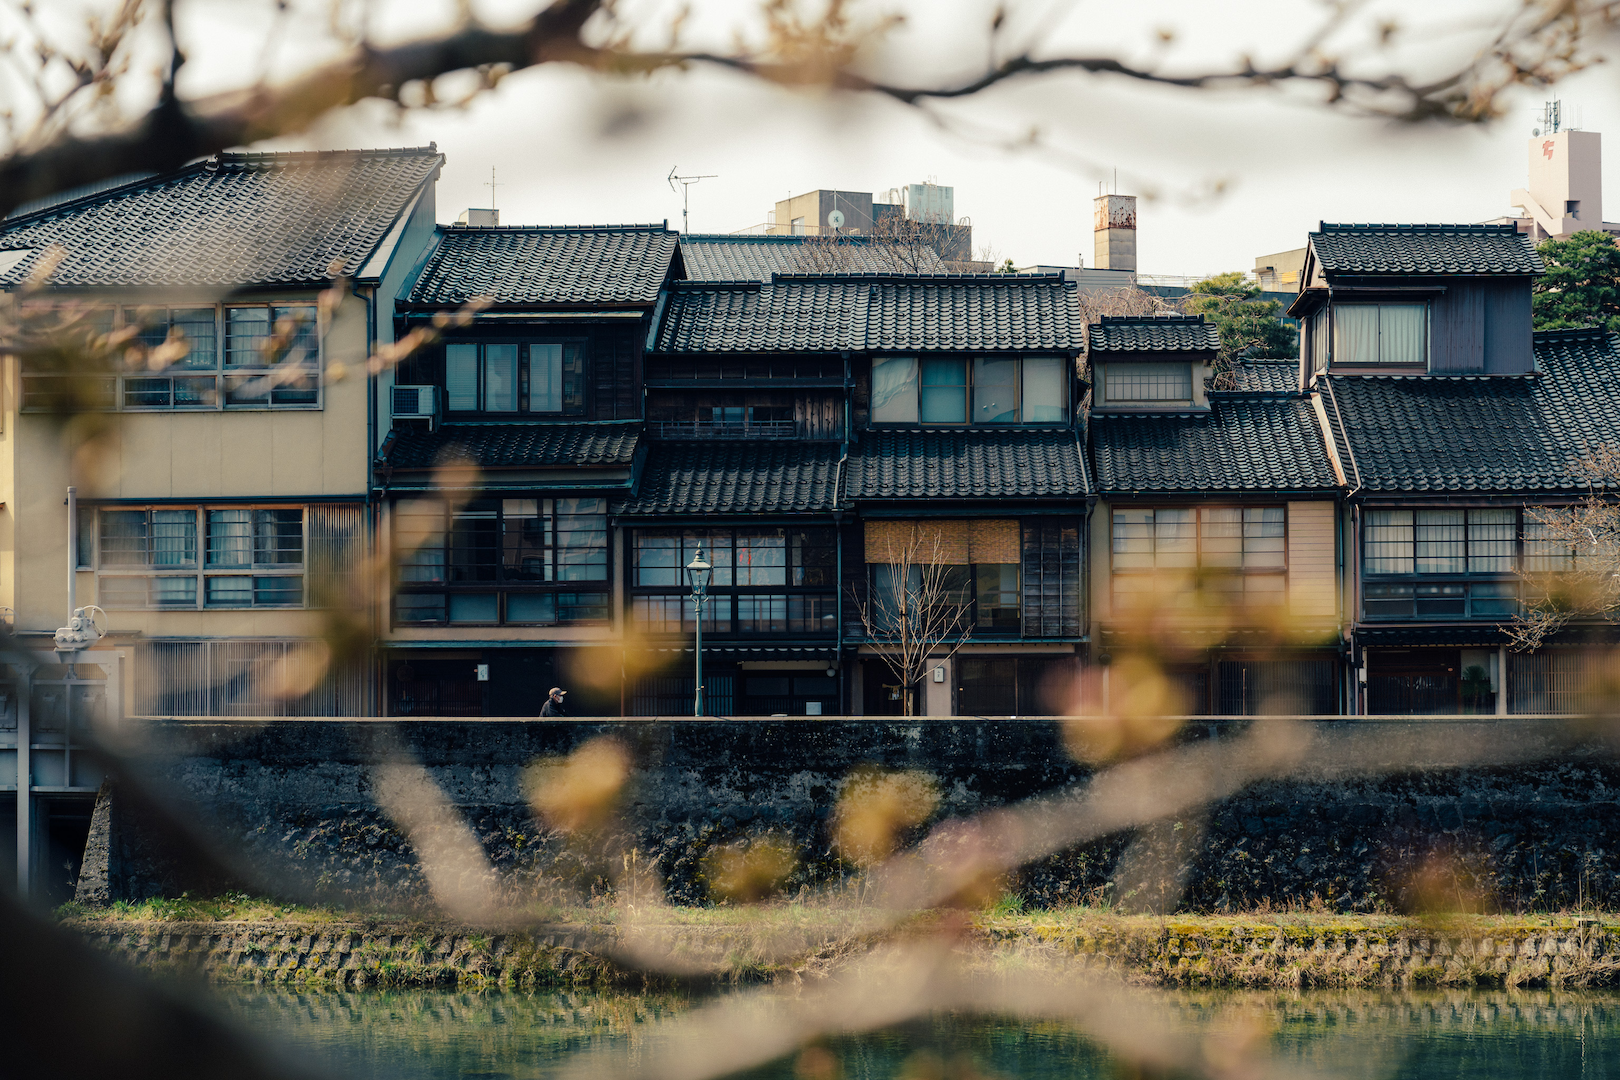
(1377, 334)
(257, 356)
(962, 390)
(545, 378)
(1241, 550)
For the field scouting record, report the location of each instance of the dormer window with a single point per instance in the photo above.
(1381, 334)
(1158, 383)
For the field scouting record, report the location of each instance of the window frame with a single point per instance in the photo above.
(1494, 592)
(1199, 565)
(723, 613)
(198, 568)
(970, 364)
(1334, 347)
(225, 378)
(592, 594)
(573, 348)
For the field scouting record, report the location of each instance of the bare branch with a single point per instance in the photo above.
(1538, 45)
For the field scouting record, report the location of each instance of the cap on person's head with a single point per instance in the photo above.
(559, 691)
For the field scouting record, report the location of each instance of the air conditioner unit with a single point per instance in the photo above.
(416, 403)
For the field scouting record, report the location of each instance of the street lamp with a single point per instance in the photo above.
(698, 572)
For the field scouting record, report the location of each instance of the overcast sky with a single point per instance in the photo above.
(572, 148)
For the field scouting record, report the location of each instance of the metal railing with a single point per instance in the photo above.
(725, 429)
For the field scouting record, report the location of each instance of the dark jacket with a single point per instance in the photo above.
(552, 708)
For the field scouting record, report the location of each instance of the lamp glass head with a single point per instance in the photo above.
(698, 572)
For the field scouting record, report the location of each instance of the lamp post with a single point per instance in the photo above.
(698, 572)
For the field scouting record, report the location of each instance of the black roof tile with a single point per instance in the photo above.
(1266, 376)
(551, 264)
(965, 463)
(1424, 249)
(992, 311)
(723, 257)
(535, 445)
(873, 312)
(737, 477)
(822, 316)
(229, 220)
(1153, 333)
(1246, 442)
(1485, 433)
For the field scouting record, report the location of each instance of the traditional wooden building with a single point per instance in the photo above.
(1453, 420)
(1213, 539)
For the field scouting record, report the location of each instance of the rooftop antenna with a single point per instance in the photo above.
(1551, 118)
(492, 186)
(686, 183)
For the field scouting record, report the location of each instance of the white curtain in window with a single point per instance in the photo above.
(1175, 538)
(1133, 539)
(894, 390)
(1355, 333)
(230, 538)
(1387, 542)
(545, 377)
(461, 378)
(1044, 385)
(1440, 542)
(500, 378)
(1404, 331)
(174, 537)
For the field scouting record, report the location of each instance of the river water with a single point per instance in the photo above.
(453, 1035)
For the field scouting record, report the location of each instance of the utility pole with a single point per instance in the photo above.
(686, 183)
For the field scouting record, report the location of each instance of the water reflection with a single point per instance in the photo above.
(451, 1035)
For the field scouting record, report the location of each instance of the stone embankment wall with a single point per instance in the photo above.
(287, 806)
(1188, 955)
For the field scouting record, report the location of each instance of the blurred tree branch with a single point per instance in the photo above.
(813, 47)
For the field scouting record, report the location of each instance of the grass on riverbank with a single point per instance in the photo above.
(1007, 915)
(241, 937)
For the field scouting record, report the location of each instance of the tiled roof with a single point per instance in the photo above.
(1153, 333)
(965, 463)
(1486, 433)
(588, 264)
(823, 316)
(229, 220)
(755, 258)
(855, 313)
(534, 445)
(1424, 249)
(990, 311)
(1266, 376)
(740, 477)
(1246, 442)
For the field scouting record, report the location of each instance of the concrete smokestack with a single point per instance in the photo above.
(1115, 232)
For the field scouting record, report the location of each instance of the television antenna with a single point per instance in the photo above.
(686, 183)
(492, 185)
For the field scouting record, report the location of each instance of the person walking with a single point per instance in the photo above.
(554, 703)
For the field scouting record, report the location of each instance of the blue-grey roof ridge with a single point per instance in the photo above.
(1370, 248)
(543, 265)
(232, 220)
(647, 226)
(147, 179)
